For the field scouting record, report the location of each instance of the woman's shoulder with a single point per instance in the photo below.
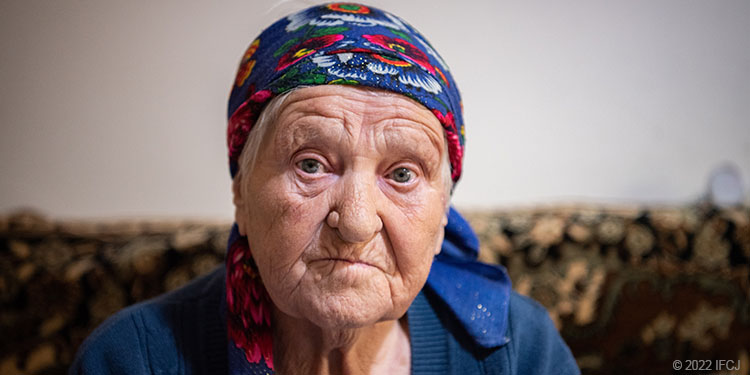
(534, 343)
(524, 309)
(163, 333)
(531, 343)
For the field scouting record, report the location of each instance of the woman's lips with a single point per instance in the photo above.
(351, 261)
(344, 262)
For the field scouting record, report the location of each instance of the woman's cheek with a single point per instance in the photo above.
(276, 214)
(416, 234)
(292, 224)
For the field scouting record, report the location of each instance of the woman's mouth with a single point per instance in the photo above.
(345, 261)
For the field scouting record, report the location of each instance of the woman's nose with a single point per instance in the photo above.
(355, 214)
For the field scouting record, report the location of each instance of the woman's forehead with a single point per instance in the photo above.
(357, 106)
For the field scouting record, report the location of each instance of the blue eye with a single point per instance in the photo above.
(310, 166)
(401, 175)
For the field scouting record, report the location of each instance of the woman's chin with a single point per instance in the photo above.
(353, 307)
(340, 312)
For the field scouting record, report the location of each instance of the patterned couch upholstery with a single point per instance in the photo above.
(631, 290)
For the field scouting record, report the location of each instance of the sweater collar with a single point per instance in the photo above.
(476, 294)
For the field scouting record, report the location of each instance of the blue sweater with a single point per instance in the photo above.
(184, 332)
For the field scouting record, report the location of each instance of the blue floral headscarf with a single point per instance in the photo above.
(353, 44)
(343, 44)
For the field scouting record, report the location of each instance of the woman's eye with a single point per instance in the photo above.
(401, 175)
(310, 166)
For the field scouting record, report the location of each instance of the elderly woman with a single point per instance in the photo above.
(345, 141)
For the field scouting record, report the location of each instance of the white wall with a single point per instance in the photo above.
(117, 108)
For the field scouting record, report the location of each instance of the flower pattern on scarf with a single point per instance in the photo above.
(248, 305)
(331, 18)
(391, 61)
(306, 48)
(246, 65)
(443, 78)
(404, 49)
(349, 8)
(454, 143)
(243, 119)
(362, 68)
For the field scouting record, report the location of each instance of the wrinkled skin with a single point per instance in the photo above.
(344, 211)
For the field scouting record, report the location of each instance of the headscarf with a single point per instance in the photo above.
(343, 44)
(353, 44)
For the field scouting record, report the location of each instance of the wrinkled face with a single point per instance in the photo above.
(345, 207)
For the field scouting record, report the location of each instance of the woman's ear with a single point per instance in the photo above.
(240, 213)
(443, 223)
(446, 204)
(439, 246)
(236, 193)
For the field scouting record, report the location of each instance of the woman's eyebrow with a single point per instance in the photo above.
(430, 141)
(405, 136)
(305, 129)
